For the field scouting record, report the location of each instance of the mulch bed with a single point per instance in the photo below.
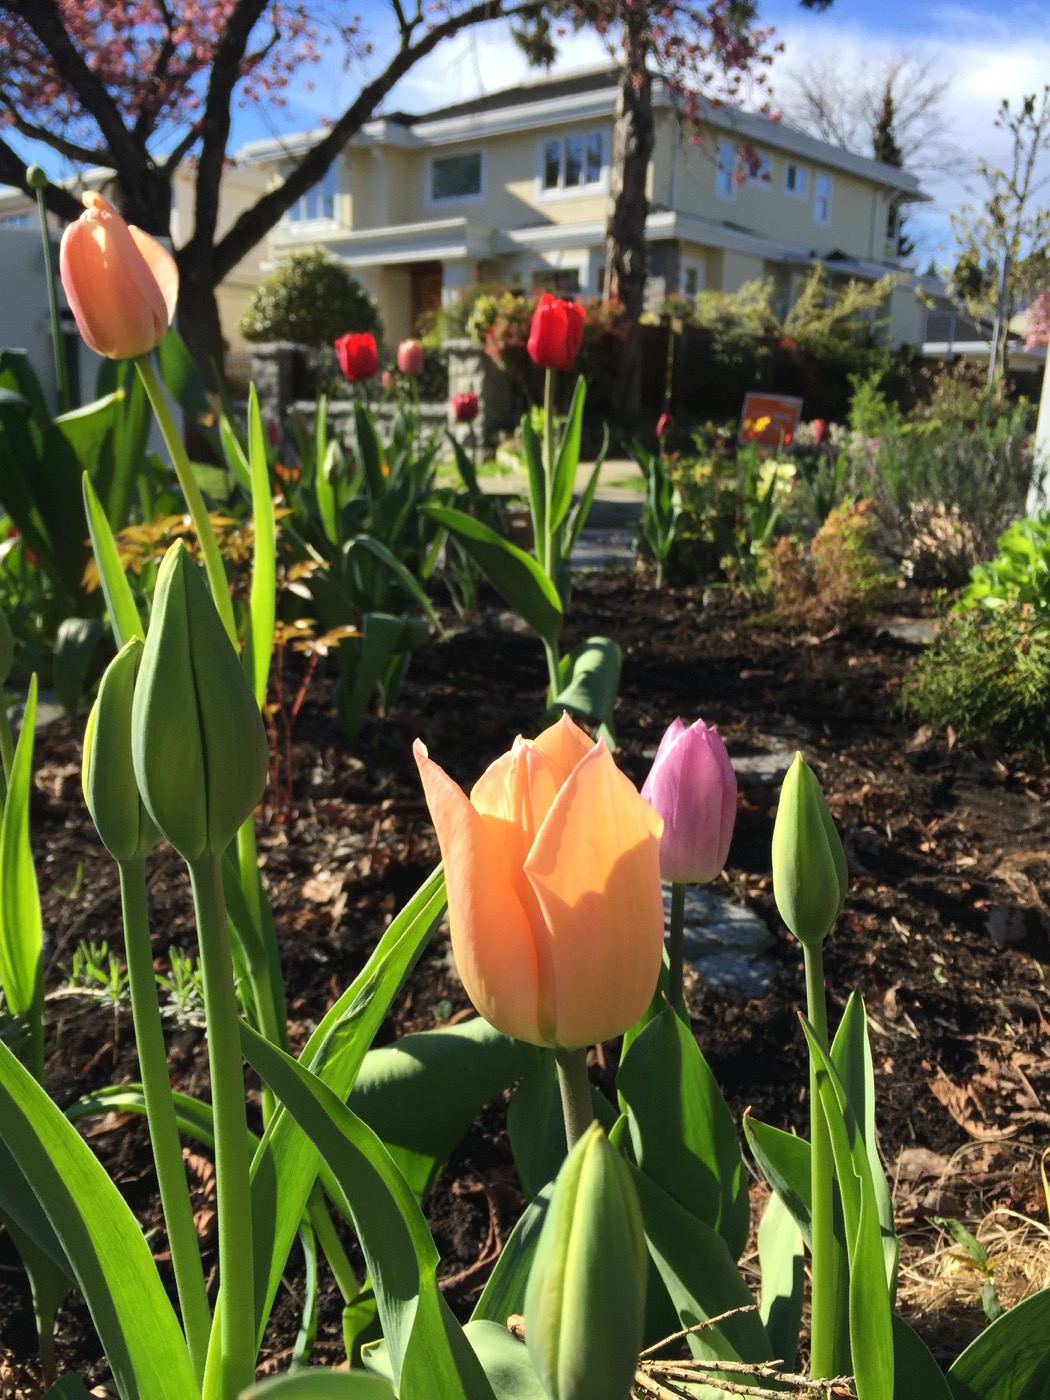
(944, 931)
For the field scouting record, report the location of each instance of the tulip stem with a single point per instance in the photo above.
(826, 1327)
(575, 1085)
(160, 1114)
(231, 1358)
(675, 958)
(213, 565)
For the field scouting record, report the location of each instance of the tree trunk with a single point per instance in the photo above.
(198, 317)
(628, 209)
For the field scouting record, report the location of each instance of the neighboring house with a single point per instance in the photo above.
(24, 318)
(513, 188)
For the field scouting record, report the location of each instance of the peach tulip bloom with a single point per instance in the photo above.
(121, 284)
(553, 873)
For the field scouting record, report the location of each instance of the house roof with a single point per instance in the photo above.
(588, 94)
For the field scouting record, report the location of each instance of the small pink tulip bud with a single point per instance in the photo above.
(693, 787)
(820, 430)
(410, 357)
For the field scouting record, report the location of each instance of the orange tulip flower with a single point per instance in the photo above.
(553, 873)
(121, 284)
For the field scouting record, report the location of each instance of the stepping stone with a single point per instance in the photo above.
(727, 943)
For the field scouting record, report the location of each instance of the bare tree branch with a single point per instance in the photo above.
(13, 172)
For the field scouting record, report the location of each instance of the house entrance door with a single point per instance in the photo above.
(427, 283)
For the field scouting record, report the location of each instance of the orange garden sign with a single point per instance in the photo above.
(769, 419)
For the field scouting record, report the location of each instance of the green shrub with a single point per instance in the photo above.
(1020, 572)
(310, 299)
(836, 581)
(988, 676)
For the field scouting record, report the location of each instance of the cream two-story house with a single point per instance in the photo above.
(513, 188)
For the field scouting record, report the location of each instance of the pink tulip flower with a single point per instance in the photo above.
(693, 787)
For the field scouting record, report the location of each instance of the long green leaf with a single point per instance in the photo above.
(234, 455)
(21, 925)
(682, 1131)
(504, 1293)
(578, 516)
(318, 1384)
(870, 1316)
(916, 1374)
(851, 1054)
(568, 456)
(101, 1240)
(513, 573)
(533, 454)
(369, 451)
(285, 1164)
(263, 606)
(785, 1163)
(590, 680)
(410, 584)
(427, 1347)
(1010, 1360)
(123, 614)
(781, 1257)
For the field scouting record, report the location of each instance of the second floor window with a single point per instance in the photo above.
(457, 177)
(318, 202)
(796, 180)
(572, 162)
(727, 171)
(822, 199)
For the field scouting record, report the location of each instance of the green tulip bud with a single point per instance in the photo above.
(197, 738)
(585, 1301)
(36, 178)
(108, 775)
(809, 865)
(7, 648)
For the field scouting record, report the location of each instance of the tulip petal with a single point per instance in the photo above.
(163, 268)
(595, 868)
(492, 937)
(564, 743)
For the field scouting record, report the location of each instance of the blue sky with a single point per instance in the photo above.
(983, 53)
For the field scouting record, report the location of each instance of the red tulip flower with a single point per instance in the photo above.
(465, 407)
(358, 356)
(820, 430)
(120, 283)
(662, 424)
(557, 331)
(410, 357)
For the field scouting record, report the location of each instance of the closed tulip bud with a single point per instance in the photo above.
(198, 742)
(585, 1300)
(7, 648)
(820, 430)
(410, 357)
(357, 355)
(120, 283)
(693, 787)
(809, 865)
(557, 332)
(553, 872)
(110, 790)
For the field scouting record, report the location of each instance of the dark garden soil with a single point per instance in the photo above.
(945, 930)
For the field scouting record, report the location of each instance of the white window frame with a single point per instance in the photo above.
(441, 201)
(822, 193)
(725, 171)
(328, 188)
(800, 190)
(584, 187)
(762, 175)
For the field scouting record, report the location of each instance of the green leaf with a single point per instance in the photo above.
(410, 584)
(369, 451)
(102, 1241)
(421, 1094)
(916, 1375)
(1010, 1360)
(568, 458)
(263, 606)
(504, 1293)
(285, 1164)
(699, 1274)
(68, 1387)
(21, 924)
(578, 516)
(429, 1354)
(514, 574)
(233, 454)
(123, 614)
(536, 1123)
(851, 1055)
(75, 647)
(590, 680)
(86, 429)
(533, 454)
(870, 1316)
(505, 1361)
(317, 1384)
(682, 1132)
(182, 377)
(781, 1257)
(785, 1163)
